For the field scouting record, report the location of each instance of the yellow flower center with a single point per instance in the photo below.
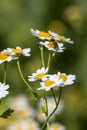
(48, 83)
(40, 76)
(61, 37)
(55, 127)
(63, 77)
(44, 34)
(50, 45)
(4, 56)
(17, 50)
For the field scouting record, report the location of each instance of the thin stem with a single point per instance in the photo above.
(49, 60)
(46, 111)
(54, 95)
(42, 56)
(5, 71)
(20, 72)
(53, 110)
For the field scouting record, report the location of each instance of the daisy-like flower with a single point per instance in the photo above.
(66, 79)
(53, 45)
(58, 37)
(5, 56)
(3, 90)
(21, 106)
(41, 34)
(40, 74)
(23, 125)
(51, 82)
(16, 52)
(18, 125)
(57, 126)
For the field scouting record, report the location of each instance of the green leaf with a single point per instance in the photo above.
(7, 113)
(43, 109)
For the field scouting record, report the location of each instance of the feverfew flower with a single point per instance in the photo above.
(18, 102)
(57, 126)
(58, 37)
(3, 90)
(66, 79)
(18, 125)
(23, 125)
(41, 34)
(53, 45)
(21, 106)
(16, 52)
(5, 56)
(51, 82)
(40, 74)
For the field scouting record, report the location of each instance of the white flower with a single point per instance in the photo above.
(21, 106)
(18, 125)
(5, 56)
(57, 126)
(40, 74)
(3, 90)
(51, 82)
(23, 125)
(58, 37)
(18, 102)
(16, 52)
(66, 79)
(53, 46)
(41, 34)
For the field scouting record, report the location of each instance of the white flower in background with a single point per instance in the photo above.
(66, 79)
(51, 106)
(32, 125)
(5, 56)
(53, 46)
(49, 83)
(39, 74)
(41, 34)
(18, 125)
(57, 126)
(16, 52)
(3, 90)
(23, 125)
(58, 37)
(21, 106)
(18, 102)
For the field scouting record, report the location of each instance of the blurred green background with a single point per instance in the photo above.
(67, 18)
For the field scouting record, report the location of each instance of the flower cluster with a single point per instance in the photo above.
(53, 42)
(10, 54)
(51, 81)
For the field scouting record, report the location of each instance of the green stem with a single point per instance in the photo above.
(42, 56)
(54, 95)
(46, 112)
(20, 72)
(5, 72)
(47, 119)
(49, 60)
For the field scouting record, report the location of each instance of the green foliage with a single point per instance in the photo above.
(7, 113)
